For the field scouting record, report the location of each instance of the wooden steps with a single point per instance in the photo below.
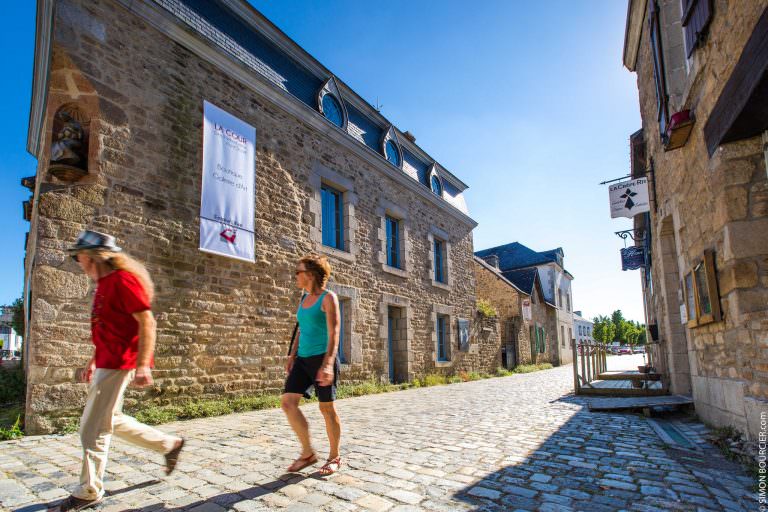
(629, 375)
(623, 388)
(616, 404)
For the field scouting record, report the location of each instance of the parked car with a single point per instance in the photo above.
(638, 349)
(624, 349)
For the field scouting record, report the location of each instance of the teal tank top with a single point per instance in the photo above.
(313, 329)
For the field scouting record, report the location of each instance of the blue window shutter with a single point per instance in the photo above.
(342, 357)
(441, 355)
(438, 248)
(339, 220)
(393, 242)
(332, 217)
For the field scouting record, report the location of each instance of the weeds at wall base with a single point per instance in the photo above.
(206, 408)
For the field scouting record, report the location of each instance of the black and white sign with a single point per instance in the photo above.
(629, 198)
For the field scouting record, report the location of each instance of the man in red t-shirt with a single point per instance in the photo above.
(123, 333)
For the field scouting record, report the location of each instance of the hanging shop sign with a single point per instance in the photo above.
(629, 198)
(632, 257)
(229, 181)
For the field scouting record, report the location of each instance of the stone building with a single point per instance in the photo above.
(527, 322)
(703, 90)
(116, 126)
(555, 283)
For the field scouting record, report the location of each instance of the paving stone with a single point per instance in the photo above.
(443, 459)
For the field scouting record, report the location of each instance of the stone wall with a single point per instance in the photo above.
(718, 203)
(223, 324)
(516, 331)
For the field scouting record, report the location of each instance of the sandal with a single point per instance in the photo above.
(331, 466)
(302, 462)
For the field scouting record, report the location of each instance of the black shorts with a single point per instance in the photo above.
(302, 378)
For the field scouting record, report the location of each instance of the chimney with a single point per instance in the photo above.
(492, 260)
(411, 137)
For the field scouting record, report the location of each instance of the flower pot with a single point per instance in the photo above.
(643, 369)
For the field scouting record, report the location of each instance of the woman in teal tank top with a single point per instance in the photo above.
(313, 362)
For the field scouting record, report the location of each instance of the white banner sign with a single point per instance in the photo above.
(527, 313)
(629, 198)
(229, 182)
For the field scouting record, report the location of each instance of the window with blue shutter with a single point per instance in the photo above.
(332, 217)
(442, 342)
(393, 242)
(343, 345)
(439, 258)
(542, 340)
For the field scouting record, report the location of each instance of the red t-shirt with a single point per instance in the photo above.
(114, 331)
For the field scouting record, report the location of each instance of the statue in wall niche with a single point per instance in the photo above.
(67, 159)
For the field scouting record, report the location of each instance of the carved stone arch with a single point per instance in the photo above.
(434, 174)
(391, 136)
(331, 87)
(70, 141)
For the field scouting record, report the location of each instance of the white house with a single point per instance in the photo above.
(11, 340)
(582, 328)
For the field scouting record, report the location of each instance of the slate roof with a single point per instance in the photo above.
(516, 256)
(524, 279)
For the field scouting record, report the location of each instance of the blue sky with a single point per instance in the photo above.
(527, 103)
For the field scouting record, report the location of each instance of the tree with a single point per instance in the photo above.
(17, 321)
(603, 329)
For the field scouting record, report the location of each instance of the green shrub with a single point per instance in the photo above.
(454, 379)
(485, 308)
(528, 368)
(502, 372)
(434, 380)
(12, 432)
(474, 376)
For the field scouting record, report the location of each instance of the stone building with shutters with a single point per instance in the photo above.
(702, 75)
(555, 282)
(116, 125)
(527, 322)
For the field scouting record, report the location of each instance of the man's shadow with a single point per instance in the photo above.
(226, 499)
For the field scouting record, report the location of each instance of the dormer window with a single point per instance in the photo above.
(331, 105)
(332, 110)
(393, 155)
(390, 147)
(435, 183)
(436, 186)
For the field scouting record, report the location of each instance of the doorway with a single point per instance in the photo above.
(397, 344)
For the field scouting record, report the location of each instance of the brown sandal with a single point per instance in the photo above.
(331, 466)
(302, 462)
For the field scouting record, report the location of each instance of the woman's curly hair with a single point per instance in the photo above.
(319, 267)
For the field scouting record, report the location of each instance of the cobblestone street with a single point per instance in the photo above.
(514, 443)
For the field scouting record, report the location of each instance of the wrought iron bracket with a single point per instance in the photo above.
(636, 234)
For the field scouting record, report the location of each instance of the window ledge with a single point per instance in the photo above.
(336, 253)
(442, 286)
(395, 271)
(443, 364)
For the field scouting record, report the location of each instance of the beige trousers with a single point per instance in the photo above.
(102, 417)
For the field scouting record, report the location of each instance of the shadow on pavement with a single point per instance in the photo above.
(603, 462)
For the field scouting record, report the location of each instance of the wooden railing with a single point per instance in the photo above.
(589, 361)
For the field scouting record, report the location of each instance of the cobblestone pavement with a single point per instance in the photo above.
(514, 443)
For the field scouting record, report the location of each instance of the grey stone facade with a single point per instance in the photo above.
(139, 77)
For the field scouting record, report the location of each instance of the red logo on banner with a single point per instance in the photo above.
(229, 235)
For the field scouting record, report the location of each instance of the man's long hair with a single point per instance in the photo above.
(122, 261)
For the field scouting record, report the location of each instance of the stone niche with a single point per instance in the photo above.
(69, 143)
